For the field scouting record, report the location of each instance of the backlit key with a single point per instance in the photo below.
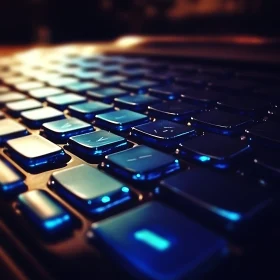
(61, 102)
(43, 93)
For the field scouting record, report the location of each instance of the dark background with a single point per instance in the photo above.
(25, 21)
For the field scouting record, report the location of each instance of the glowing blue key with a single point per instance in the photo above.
(105, 199)
(152, 239)
(203, 158)
(125, 189)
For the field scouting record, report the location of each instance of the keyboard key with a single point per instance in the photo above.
(35, 118)
(45, 212)
(61, 102)
(15, 108)
(3, 89)
(28, 86)
(139, 86)
(111, 68)
(43, 93)
(168, 92)
(60, 131)
(110, 80)
(34, 152)
(90, 190)
(173, 111)
(162, 133)
(221, 122)
(88, 75)
(11, 181)
(90, 64)
(217, 150)
(81, 88)
(233, 85)
(157, 242)
(92, 146)
(10, 129)
(141, 163)
(121, 120)
(11, 97)
(62, 81)
(136, 102)
(13, 80)
(134, 72)
(198, 80)
(223, 199)
(107, 94)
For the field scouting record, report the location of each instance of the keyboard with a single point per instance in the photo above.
(117, 166)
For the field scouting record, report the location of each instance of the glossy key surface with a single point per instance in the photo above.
(81, 87)
(154, 241)
(107, 94)
(139, 86)
(110, 80)
(168, 92)
(15, 108)
(10, 97)
(28, 86)
(61, 102)
(62, 81)
(43, 93)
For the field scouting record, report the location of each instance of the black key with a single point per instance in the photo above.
(94, 145)
(15, 108)
(43, 93)
(216, 71)
(139, 86)
(11, 181)
(45, 212)
(173, 111)
(221, 122)
(11, 97)
(10, 129)
(141, 164)
(217, 150)
(185, 68)
(107, 94)
(3, 89)
(136, 102)
(34, 152)
(26, 86)
(267, 133)
(157, 242)
(162, 133)
(88, 111)
(223, 199)
(61, 102)
(81, 88)
(90, 190)
(110, 80)
(35, 118)
(168, 92)
(233, 85)
(200, 80)
(62, 81)
(162, 76)
(60, 131)
(121, 120)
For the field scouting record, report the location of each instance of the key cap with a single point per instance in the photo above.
(35, 118)
(3, 89)
(110, 80)
(10, 129)
(15, 108)
(26, 86)
(139, 86)
(13, 80)
(88, 75)
(88, 111)
(43, 93)
(173, 111)
(111, 68)
(157, 242)
(168, 92)
(11, 180)
(61, 102)
(162, 133)
(34, 152)
(94, 145)
(62, 81)
(137, 103)
(141, 164)
(10, 97)
(134, 72)
(198, 80)
(45, 213)
(90, 65)
(81, 88)
(214, 149)
(223, 199)
(221, 122)
(60, 131)
(107, 94)
(121, 120)
(90, 190)
(233, 85)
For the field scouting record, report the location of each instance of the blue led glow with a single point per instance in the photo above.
(203, 158)
(152, 239)
(227, 214)
(105, 199)
(54, 223)
(125, 189)
(221, 165)
(138, 175)
(176, 160)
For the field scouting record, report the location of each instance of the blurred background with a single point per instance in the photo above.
(43, 21)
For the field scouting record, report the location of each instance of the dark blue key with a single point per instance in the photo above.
(60, 131)
(233, 85)
(88, 111)
(89, 189)
(11, 97)
(135, 72)
(61, 102)
(162, 133)
(34, 152)
(214, 149)
(198, 80)
(139, 86)
(136, 102)
(168, 92)
(82, 87)
(45, 212)
(96, 144)
(35, 118)
(11, 180)
(111, 68)
(15, 108)
(121, 120)
(141, 163)
(110, 80)
(173, 111)
(157, 242)
(10, 129)
(106, 95)
(221, 122)
(43, 93)
(226, 199)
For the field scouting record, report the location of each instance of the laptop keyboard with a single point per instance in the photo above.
(160, 166)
